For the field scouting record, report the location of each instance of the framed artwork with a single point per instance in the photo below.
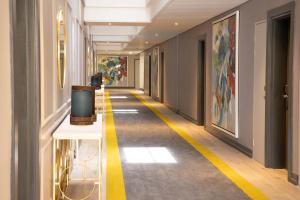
(225, 74)
(114, 70)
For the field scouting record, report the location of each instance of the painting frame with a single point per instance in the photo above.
(234, 133)
(101, 56)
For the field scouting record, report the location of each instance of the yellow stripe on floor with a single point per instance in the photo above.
(115, 189)
(236, 178)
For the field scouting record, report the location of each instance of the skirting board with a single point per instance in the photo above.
(230, 141)
(293, 178)
(172, 108)
(156, 99)
(177, 111)
(215, 132)
(218, 134)
(188, 118)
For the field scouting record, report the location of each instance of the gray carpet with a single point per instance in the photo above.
(191, 178)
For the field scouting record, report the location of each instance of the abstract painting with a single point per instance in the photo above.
(114, 70)
(225, 74)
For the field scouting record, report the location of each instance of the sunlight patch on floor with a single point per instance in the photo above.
(125, 111)
(118, 97)
(148, 155)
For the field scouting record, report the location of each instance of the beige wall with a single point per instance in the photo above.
(5, 101)
(131, 70)
(142, 68)
(55, 101)
(181, 84)
(171, 72)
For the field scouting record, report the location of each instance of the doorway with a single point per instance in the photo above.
(279, 92)
(201, 82)
(150, 60)
(162, 68)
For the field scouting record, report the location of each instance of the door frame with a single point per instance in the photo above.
(201, 119)
(134, 85)
(26, 102)
(162, 74)
(272, 15)
(150, 71)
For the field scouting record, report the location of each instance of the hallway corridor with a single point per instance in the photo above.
(157, 163)
(150, 99)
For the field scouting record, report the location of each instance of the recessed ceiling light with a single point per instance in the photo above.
(109, 23)
(156, 34)
(130, 52)
(176, 23)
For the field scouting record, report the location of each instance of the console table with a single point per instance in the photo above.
(65, 153)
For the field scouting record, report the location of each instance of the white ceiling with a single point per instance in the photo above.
(131, 26)
(116, 3)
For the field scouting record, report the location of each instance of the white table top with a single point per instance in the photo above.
(73, 132)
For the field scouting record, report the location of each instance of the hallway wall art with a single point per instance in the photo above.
(114, 70)
(225, 74)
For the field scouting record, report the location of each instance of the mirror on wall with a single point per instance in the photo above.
(61, 48)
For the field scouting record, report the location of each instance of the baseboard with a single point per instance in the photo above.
(293, 178)
(156, 99)
(228, 140)
(222, 136)
(187, 117)
(215, 132)
(175, 110)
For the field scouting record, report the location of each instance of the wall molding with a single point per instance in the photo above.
(48, 127)
(52, 122)
(49, 118)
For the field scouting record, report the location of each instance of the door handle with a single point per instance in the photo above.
(285, 96)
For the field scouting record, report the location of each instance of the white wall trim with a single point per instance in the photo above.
(51, 123)
(48, 127)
